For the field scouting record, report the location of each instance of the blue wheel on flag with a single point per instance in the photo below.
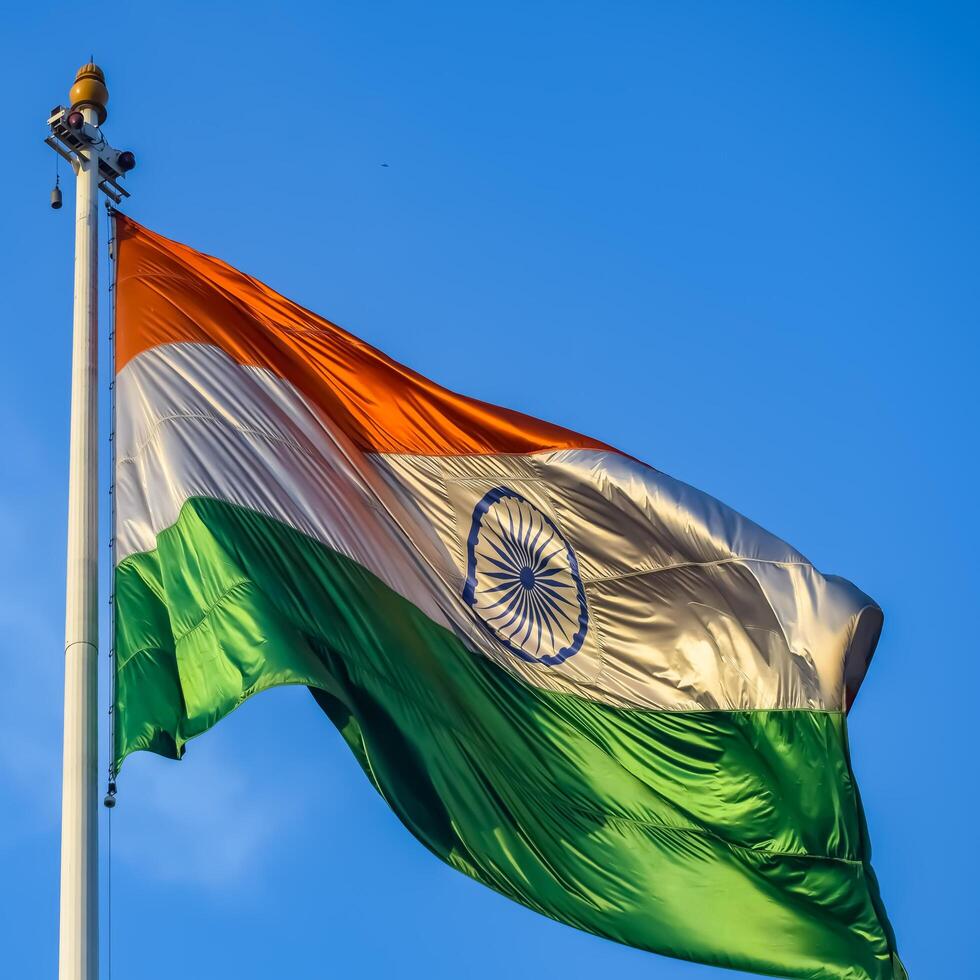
(522, 579)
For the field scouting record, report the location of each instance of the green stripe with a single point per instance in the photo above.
(733, 838)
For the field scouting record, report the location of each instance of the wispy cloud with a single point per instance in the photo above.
(31, 638)
(202, 821)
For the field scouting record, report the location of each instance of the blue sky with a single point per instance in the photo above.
(739, 241)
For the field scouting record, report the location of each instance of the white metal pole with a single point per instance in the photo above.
(79, 940)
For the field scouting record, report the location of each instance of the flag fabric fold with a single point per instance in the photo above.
(581, 682)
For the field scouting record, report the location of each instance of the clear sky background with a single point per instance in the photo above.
(737, 240)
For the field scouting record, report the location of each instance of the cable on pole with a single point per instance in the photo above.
(110, 797)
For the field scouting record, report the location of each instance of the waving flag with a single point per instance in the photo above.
(585, 684)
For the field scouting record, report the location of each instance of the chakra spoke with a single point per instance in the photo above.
(507, 542)
(529, 620)
(506, 598)
(556, 611)
(543, 619)
(519, 612)
(534, 544)
(528, 548)
(545, 590)
(513, 581)
(536, 557)
(511, 599)
(513, 610)
(524, 540)
(544, 563)
(500, 565)
(504, 556)
(510, 521)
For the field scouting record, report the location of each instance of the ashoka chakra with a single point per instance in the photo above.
(522, 579)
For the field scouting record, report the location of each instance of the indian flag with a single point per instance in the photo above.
(598, 691)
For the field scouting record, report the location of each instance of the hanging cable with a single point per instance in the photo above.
(108, 895)
(110, 797)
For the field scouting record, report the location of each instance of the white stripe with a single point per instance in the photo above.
(690, 606)
(693, 604)
(191, 422)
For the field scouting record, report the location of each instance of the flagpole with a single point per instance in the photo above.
(77, 137)
(79, 930)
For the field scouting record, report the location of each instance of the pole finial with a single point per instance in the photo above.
(90, 90)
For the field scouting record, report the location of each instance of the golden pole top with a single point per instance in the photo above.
(90, 90)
